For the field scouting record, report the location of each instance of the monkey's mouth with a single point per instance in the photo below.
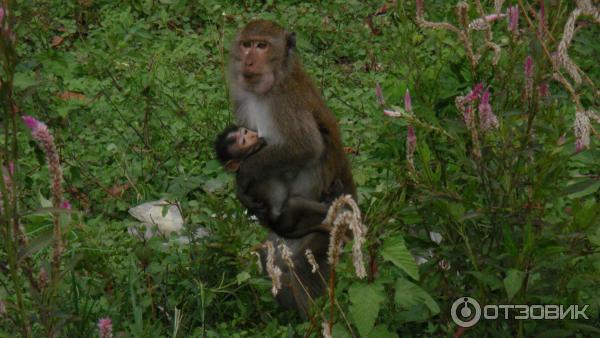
(251, 77)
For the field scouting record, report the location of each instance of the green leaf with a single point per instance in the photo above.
(409, 294)
(366, 300)
(44, 202)
(582, 188)
(338, 331)
(509, 243)
(493, 282)
(394, 250)
(457, 210)
(595, 238)
(382, 331)
(513, 282)
(242, 277)
(23, 81)
(38, 243)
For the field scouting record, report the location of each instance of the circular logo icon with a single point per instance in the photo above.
(465, 311)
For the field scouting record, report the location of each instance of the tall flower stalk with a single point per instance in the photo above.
(41, 133)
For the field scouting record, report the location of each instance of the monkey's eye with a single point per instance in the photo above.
(245, 131)
(261, 45)
(246, 44)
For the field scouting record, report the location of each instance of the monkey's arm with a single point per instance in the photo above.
(297, 143)
(299, 217)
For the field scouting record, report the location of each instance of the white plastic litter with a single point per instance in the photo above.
(154, 222)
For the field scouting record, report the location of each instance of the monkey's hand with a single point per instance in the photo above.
(252, 204)
(275, 160)
(242, 183)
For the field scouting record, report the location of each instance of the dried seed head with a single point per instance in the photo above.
(326, 330)
(462, 11)
(311, 260)
(498, 5)
(272, 269)
(286, 254)
(487, 119)
(344, 214)
(484, 23)
(582, 131)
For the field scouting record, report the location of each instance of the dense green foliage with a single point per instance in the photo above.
(134, 93)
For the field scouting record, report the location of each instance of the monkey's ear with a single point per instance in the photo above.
(232, 165)
(291, 41)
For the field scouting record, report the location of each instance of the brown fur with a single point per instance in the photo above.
(309, 128)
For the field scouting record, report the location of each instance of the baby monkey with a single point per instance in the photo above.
(289, 202)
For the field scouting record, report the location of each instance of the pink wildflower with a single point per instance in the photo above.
(65, 205)
(494, 17)
(411, 138)
(105, 328)
(544, 90)
(1, 15)
(407, 101)
(513, 18)
(542, 17)
(379, 94)
(528, 71)
(40, 132)
(468, 116)
(528, 66)
(31, 122)
(475, 92)
(487, 119)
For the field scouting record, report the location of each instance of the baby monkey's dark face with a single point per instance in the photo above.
(245, 142)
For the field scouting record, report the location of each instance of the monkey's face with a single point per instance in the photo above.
(256, 71)
(244, 142)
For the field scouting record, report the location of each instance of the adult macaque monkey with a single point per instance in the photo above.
(273, 95)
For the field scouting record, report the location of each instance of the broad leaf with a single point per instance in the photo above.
(394, 250)
(366, 300)
(382, 331)
(409, 294)
(513, 281)
(582, 188)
